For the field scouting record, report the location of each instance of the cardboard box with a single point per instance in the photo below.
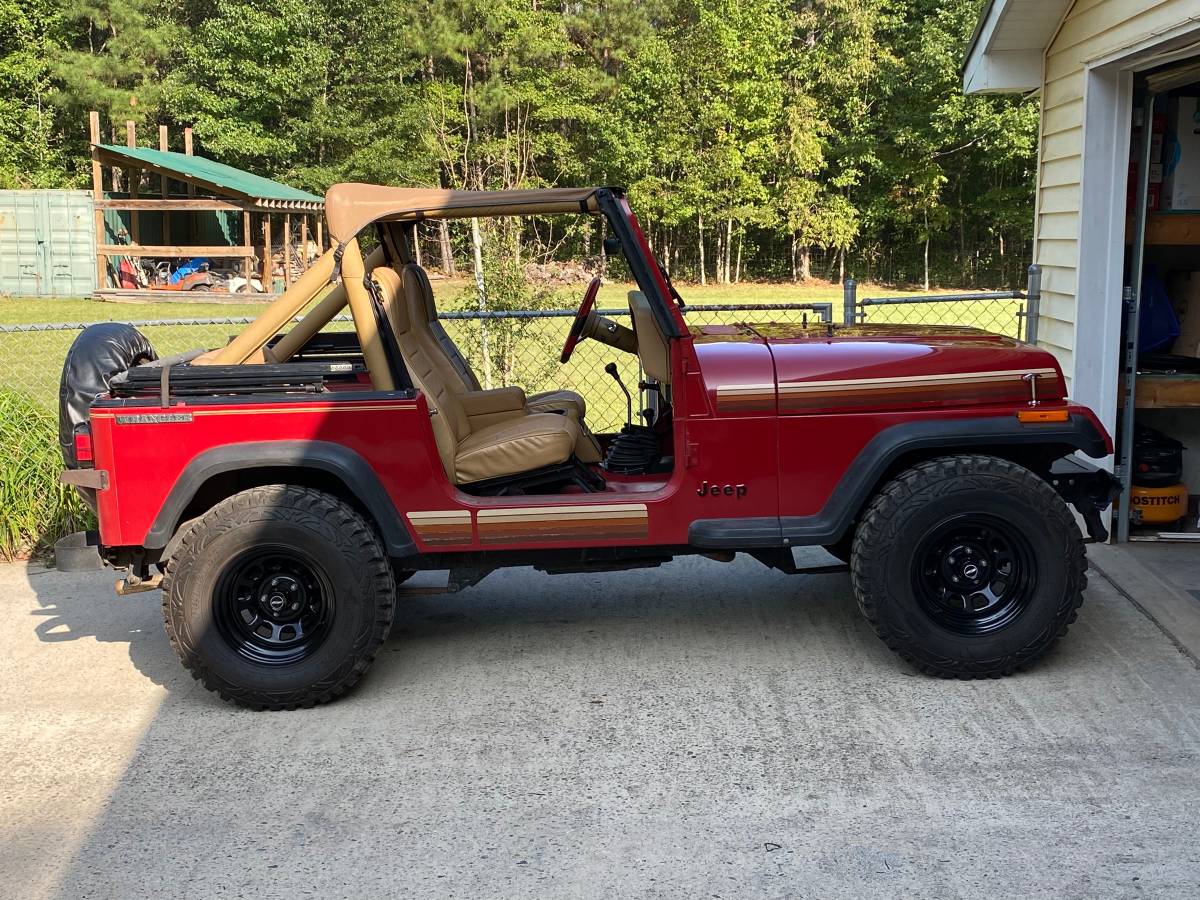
(1181, 156)
(1183, 288)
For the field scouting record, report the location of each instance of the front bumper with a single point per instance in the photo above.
(1088, 488)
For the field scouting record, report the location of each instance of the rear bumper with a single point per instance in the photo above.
(96, 479)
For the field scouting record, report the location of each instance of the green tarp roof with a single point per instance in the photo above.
(219, 177)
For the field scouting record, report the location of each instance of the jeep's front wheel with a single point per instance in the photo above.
(968, 566)
(278, 597)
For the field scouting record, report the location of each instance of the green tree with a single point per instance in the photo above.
(754, 135)
(31, 149)
(117, 54)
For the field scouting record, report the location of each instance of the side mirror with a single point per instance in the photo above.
(612, 246)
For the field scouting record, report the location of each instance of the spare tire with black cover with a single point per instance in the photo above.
(968, 566)
(100, 353)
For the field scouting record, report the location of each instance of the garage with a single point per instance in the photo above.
(1117, 228)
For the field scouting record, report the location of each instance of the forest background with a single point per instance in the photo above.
(759, 139)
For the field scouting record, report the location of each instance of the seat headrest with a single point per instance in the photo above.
(415, 288)
(391, 295)
(417, 280)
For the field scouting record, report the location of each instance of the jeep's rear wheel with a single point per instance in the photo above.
(278, 597)
(968, 566)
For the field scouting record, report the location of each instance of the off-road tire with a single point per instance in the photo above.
(336, 541)
(912, 505)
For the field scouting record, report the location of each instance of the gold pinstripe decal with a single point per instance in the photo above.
(930, 380)
(555, 523)
(442, 526)
(260, 412)
(555, 513)
(747, 396)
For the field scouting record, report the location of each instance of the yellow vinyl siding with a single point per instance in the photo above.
(1063, 90)
(1059, 306)
(1091, 30)
(1059, 280)
(1060, 199)
(1058, 172)
(1110, 25)
(1059, 225)
(1057, 252)
(1067, 117)
(1062, 144)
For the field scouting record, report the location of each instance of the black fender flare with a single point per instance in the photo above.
(983, 434)
(323, 456)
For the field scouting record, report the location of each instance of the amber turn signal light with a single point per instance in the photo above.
(1043, 415)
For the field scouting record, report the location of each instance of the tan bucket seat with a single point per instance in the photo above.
(417, 280)
(500, 439)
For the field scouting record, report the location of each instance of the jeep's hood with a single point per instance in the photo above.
(818, 367)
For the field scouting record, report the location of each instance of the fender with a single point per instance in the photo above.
(1079, 433)
(323, 456)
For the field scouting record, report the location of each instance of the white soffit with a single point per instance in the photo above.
(1006, 52)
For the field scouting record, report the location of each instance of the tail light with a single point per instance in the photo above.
(83, 447)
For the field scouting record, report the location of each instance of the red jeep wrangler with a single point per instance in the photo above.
(281, 487)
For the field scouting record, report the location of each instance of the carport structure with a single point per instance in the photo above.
(152, 191)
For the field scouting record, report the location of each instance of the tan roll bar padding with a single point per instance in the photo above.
(274, 317)
(350, 207)
(320, 315)
(353, 271)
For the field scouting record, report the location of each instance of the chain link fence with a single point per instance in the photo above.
(520, 348)
(1010, 313)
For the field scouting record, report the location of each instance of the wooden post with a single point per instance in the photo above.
(246, 273)
(98, 194)
(187, 148)
(287, 250)
(304, 242)
(267, 280)
(135, 226)
(114, 172)
(166, 216)
(321, 232)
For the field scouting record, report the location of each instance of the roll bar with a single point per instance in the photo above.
(351, 290)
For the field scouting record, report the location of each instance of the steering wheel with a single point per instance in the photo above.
(581, 317)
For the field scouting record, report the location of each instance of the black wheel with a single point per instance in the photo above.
(278, 597)
(968, 566)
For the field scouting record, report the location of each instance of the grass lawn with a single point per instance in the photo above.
(32, 362)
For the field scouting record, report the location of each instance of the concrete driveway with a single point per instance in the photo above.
(699, 730)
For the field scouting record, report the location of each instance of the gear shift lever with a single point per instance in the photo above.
(611, 369)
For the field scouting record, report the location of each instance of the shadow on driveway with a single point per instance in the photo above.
(695, 730)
